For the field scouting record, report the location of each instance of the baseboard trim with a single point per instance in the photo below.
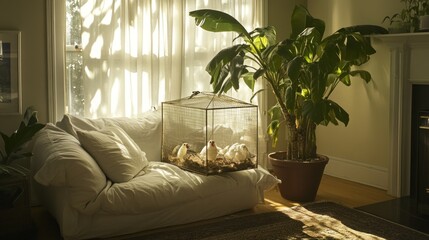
(357, 172)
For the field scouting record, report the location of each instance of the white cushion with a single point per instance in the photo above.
(115, 152)
(145, 131)
(165, 185)
(71, 124)
(67, 164)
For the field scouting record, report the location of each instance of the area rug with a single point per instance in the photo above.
(322, 220)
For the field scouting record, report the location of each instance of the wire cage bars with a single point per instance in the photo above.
(210, 134)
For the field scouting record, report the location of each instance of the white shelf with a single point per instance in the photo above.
(404, 38)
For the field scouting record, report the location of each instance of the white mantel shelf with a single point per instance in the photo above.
(404, 37)
(409, 54)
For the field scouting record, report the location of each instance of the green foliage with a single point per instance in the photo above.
(216, 21)
(14, 144)
(302, 71)
(409, 15)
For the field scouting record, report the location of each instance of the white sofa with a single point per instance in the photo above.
(76, 159)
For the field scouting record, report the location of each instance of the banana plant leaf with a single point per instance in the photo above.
(217, 21)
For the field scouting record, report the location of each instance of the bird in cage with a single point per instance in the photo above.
(242, 153)
(230, 151)
(182, 151)
(211, 150)
(237, 152)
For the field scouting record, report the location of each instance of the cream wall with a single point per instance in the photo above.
(359, 151)
(279, 14)
(340, 13)
(29, 17)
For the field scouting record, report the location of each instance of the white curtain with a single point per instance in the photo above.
(139, 53)
(131, 53)
(201, 46)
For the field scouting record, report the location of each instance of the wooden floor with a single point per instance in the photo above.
(347, 193)
(341, 191)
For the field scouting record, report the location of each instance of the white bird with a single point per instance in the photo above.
(241, 153)
(230, 152)
(237, 152)
(182, 151)
(223, 151)
(210, 151)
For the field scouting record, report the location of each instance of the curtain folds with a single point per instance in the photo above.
(131, 53)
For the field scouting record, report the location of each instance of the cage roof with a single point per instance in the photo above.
(202, 100)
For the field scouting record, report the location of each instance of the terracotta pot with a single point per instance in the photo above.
(300, 180)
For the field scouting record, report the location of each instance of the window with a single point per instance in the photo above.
(125, 57)
(74, 87)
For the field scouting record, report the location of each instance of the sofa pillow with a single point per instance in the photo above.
(60, 161)
(115, 152)
(71, 124)
(145, 131)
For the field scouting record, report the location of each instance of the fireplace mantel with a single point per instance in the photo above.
(409, 64)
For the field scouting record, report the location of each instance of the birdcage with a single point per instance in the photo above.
(210, 134)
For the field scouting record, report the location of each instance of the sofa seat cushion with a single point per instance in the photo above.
(164, 185)
(115, 152)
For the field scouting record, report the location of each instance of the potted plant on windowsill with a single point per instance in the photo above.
(397, 24)
(409, 18)
(424, 15)
(14, 145)
(302, 72)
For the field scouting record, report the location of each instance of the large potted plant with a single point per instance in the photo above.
(302, 72)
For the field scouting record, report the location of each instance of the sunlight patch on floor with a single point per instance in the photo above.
(277, 205)
(324, 226)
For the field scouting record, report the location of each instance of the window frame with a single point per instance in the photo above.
(56, 58)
